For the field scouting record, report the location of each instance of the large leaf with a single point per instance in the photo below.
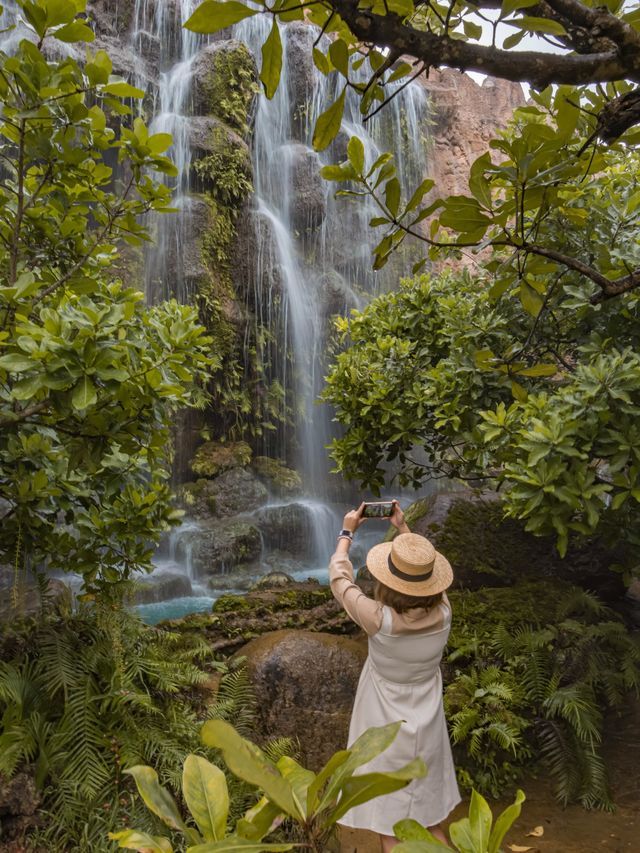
(271, 60)
(156, 798)
(462, 836)
(248, 762)
(504, 822)
(212, 16)
(205, 792)
(131, 839)
(300, 780)
(315, 789)
(411, 830)
(259, 820)
(434, 846)
(328, 123)
(361, 789)
(15, 362)
(480, 820)
(233, 843)
(84, 394)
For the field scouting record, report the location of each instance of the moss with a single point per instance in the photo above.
(413, 514)
(226, 170)
(212, 458)
(232, 604)
(231, 84)
(282, 479)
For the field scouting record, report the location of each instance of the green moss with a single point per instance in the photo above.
(232, 604)
(226, 169)
(212, 458)
(414, 513)
(282, 479)
(231, 85)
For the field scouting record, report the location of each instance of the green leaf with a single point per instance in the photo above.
(355, 153)
(362, 788)
(16, 363)
(531, 300)
(540, 25)
(392, 196)
(471, 30)
(159, 142)
(519, 394)
(271, 60)
(504, 822)
(419, 193)
(300, 780)
(480, 820)
(248, 762)
(156, 798)
(258, 821)
(84, 394)
(77, 31)
(513, 40)
(478, 183)
(400, 7)
(132, 839)
(321, 62)
(410, 830)
(509, 6)
(323, 776)
(339, 55)
(233, 844)
(431, 846)
(205, 792)
(328, 123)
(212, 16)
(122, 90)
(463, 214)
(539, 370)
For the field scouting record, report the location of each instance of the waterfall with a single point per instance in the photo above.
(319, 246)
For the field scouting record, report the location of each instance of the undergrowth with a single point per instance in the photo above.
(533, 668)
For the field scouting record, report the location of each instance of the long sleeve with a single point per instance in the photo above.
(364, 611)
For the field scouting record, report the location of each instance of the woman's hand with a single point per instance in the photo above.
(397, 518)
(353, 519)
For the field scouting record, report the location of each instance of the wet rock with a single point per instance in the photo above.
(225, 83)
(305, 684)
(233, 492)
(217, 547)
(29, 597)
(308, 190)
(257, 271)
(19, 802)
(286, 527)
(213, 458)
(183, 272)
(148, 47)
(223, 168)
(336, 294)
(274, 580)
(302, 74)
(282, 481)
(161, 586)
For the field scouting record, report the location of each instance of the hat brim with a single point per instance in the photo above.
(378, 565)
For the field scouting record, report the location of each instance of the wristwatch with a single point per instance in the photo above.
(346, 534)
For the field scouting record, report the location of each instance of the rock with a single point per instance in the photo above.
(28, 592)
(486, 549)
(337, 296)
(308, 190)
(213, 458)
(19, 802)
(257, 270)
(302, 76)
(161, 586)
(281, 480)
(233, 492)
(286, 527)
(217, 547)
(274, 580)
(225, 82)
(305, 684)
(223, 168)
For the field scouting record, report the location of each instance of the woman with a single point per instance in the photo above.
(408, 623)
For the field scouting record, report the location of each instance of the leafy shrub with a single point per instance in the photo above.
(535, 667)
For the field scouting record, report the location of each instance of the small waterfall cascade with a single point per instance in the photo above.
(313, 251)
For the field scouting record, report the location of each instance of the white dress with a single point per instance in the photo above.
(401, 680)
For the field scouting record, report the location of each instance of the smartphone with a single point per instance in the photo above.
(378, 509)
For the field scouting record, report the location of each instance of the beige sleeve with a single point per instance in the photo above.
(364, 611)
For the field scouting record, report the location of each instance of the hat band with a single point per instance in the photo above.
(406, 577)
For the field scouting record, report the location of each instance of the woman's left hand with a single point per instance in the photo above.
(354, 519)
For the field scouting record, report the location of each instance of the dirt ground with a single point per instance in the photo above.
(569, 830)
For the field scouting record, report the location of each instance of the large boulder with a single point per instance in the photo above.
(216, 547)
(235, 491)
(305, 683)
(257, 267)
(302, 74)
(19, 802)
(224, 82)
(22, 595)
(213, 458)
(161, 586)
(221, 165)
(286, 527)
(308, 190)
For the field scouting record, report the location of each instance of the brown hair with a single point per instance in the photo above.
(400, 602)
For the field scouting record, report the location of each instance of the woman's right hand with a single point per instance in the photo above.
(397, 518)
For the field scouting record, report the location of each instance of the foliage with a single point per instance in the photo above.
(89, 377)
(83, 695)
(474, 834)
(535, 667)
(204, 790)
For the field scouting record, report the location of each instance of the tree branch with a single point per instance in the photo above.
(539, 69)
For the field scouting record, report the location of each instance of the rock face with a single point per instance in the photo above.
(280, 480)
(221, 83)
(309, 190)
(236, 491)
(162, 586)
(19, 801)
(305, 684)
(286, 527)
(212, 458)
(217, 547)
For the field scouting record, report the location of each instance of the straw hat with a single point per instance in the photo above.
(411, 565)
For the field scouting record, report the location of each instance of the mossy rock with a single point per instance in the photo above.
(212, 458)
(280, 479)
(413, 515)
(274, 580)
(225, 82)
(232, 604)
